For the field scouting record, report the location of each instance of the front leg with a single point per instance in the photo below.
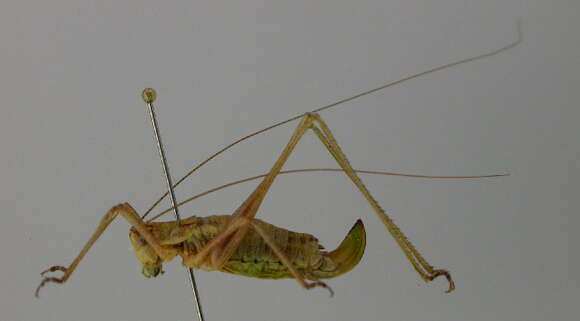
(132, 217)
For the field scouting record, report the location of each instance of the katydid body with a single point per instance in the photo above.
(253, 257)
(224, 242)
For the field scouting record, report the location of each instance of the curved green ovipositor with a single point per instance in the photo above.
(346, 256)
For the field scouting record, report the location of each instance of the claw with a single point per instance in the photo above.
(322, 285)
(447, 275)
(46, 280)
(50, 279)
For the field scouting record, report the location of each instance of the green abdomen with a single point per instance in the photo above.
(254, 258)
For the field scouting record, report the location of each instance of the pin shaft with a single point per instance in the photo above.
(149, 97)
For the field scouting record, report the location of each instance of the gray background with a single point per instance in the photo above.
(76, 140)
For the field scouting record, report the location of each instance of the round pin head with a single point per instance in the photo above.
(149, 95)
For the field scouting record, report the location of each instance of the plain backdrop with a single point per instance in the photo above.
(76, 140)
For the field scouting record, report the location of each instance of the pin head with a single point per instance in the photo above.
(149, 95)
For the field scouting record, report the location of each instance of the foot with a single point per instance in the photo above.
(320, 284)
(51, 279)
(447, 275)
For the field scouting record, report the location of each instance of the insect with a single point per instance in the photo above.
(242, 244)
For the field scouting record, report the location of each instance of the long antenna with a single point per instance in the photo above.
(310, 170)
(342, 101)
(149, 95)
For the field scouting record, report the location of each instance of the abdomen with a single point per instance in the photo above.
(254, 258)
